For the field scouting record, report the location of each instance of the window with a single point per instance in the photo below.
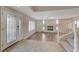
(11, 28)
(77, 23)
(43, 25)
(57, 28)
(57, 21)
(43, 22)
(43, 28)
(31, 25)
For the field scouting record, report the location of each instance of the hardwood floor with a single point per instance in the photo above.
(39, 42)
(43, 36)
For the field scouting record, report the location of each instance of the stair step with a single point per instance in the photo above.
(66, 46)
(71, 42)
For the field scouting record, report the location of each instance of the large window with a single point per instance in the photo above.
(11, 28)
(31, 25)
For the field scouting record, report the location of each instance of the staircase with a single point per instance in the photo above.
(68, 43)
(71, 34)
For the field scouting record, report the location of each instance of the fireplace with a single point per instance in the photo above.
(49, 28)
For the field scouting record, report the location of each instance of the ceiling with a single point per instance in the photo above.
(51, 8)
(49, 12)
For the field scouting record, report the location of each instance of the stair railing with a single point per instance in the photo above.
(74, 32)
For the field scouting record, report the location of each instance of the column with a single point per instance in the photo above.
(75, 35)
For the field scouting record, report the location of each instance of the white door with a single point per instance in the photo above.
(18, 27)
